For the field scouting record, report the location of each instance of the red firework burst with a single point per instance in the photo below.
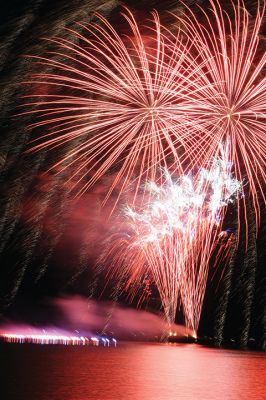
(233, 104)
(124, 98)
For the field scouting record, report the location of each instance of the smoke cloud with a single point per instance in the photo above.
(78, 315)
(115, 320)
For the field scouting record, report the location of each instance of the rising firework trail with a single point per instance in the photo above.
(169, 238)
(124, 96)
(233, 106)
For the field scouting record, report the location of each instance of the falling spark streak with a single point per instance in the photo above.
(170, 238)
(233, 104)
(126, 97)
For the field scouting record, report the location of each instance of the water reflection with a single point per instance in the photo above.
(133, 372)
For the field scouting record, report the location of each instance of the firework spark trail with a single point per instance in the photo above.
(127, 96)
(233, 104)
(138, 102)
(248, 277)
(222, 306)
(170, 238)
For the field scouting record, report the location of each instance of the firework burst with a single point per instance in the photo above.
(169, 238)
(152, 101)
(233, 104)
(124, 97)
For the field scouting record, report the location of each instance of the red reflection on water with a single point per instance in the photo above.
(193, 372)
(133, 372)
